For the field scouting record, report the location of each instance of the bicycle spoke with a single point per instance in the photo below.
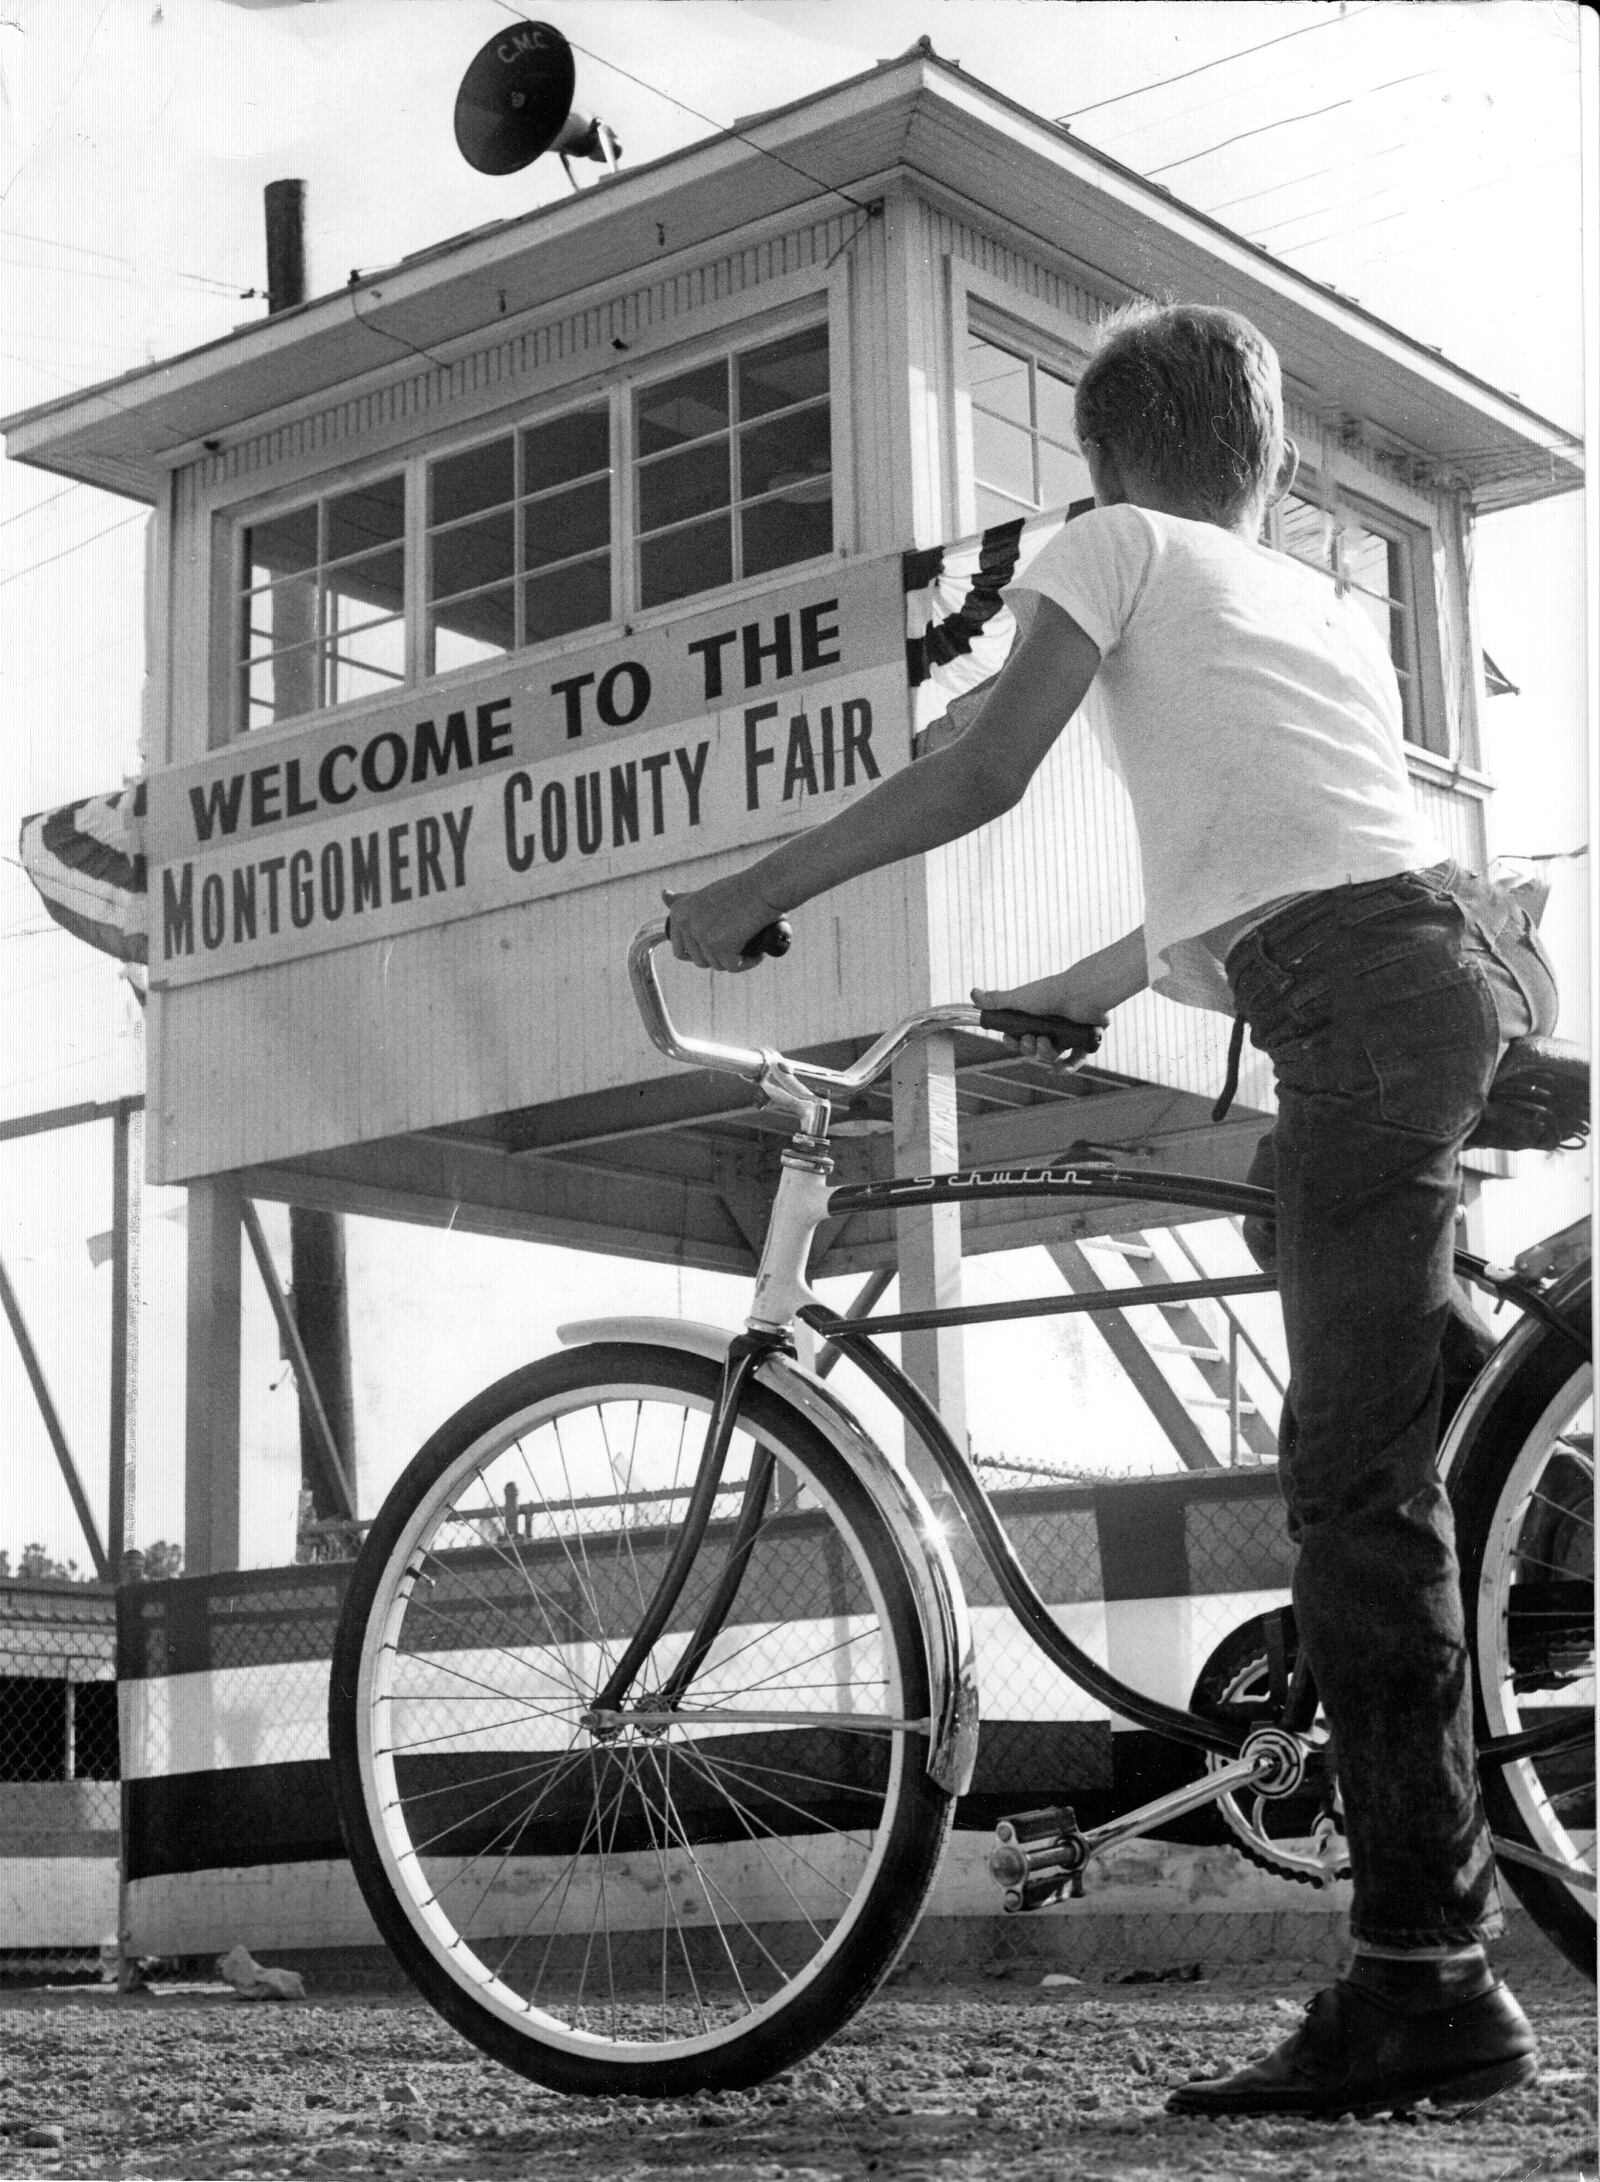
(754, 1820)
(699, 1872)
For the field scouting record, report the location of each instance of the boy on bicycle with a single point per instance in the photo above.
(1254, 716)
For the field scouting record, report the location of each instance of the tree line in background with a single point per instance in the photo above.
(37, 1565)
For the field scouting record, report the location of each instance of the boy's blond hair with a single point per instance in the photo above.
(1192, 398)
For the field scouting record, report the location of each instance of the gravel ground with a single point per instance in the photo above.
(933, 2080)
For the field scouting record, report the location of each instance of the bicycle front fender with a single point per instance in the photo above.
(930, 1570)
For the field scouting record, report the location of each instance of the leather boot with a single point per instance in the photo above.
(1360, 2053)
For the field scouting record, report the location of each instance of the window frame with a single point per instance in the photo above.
(239, 658)
(984, 308)
(510, 423)
(754, 334)
(818, 303)
(1428, 732)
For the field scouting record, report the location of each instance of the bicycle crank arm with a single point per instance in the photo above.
(1570, 1875)
(1041, 1854)
(603, 1720)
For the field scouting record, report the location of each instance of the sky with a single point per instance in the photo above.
(1421, 158)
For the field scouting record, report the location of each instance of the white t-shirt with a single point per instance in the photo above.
(1254, 717)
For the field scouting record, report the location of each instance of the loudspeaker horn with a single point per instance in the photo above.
(515, 103)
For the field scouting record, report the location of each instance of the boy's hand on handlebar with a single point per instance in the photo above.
(1066, 995)
(716, 925)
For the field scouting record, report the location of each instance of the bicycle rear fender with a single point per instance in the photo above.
(930, 1571)
(1527, 1335)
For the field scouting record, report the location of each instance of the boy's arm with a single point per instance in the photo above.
(936, 800)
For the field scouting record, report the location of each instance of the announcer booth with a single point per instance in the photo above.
(581, 555)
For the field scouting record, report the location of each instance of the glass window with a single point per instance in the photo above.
(322, 613)
(1374, 567)
(1025, 454)
(534, 500)
(732, 477)
(733, 470)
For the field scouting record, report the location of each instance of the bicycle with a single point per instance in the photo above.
(654, 1691)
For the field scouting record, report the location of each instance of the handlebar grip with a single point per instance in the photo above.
(772, 939)
(1063, 1034)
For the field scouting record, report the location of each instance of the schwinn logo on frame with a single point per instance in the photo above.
(1052, 1177)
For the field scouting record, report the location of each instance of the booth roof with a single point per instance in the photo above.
(920, 120)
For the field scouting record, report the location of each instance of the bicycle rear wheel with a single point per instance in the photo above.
(1523, 1492)
(678, 1898)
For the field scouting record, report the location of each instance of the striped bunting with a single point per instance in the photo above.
(87, 864)
(960, 627)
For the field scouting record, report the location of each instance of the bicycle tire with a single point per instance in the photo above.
(1522, 1488)
(626, 1913)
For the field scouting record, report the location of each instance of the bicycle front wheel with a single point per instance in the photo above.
(1523, 1492)
(694, 1889)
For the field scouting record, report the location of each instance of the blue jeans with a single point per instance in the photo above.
(1385, 1008)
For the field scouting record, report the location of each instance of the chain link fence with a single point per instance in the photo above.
(59, 1770)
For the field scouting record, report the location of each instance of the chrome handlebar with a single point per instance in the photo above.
(787, 1082)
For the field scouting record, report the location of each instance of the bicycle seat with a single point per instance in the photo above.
(1539, 1100)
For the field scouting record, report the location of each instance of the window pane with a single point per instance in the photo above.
(792, 454)
(575, 597)
(994, 508)
(1063, 476)
(1054, 397)
(681, 409)
(776, 532)
(569, 446)
(284, 687)
(451, 649)
(284, 614)
(1003, 457)
(282, 545)
(696, 558)
(361, 590)
(480, 477)
(1390, 623)
(366, 662)
(682, 485)
(1304, 531)
(474, 554)
(999, 380)
(372, 515)
(474, 628)
(1371, 562)
(565, 523)
(783, 372)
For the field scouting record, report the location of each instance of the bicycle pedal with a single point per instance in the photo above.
(1038, 1856)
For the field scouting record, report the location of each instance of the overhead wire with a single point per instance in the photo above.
(94, 537)
(113, 257)
(39, 505)
(1288, 120)
(1315, 174)
(124, 280)
(1445, 198)
(1120, 98)
(65, 100)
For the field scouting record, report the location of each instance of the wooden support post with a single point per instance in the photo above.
(127, 1170)
(320, 1452)
(211, 1535)
(928, 1239)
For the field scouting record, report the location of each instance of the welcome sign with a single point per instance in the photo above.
(720, 729)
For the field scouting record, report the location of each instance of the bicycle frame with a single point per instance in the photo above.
(1239, 1755)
